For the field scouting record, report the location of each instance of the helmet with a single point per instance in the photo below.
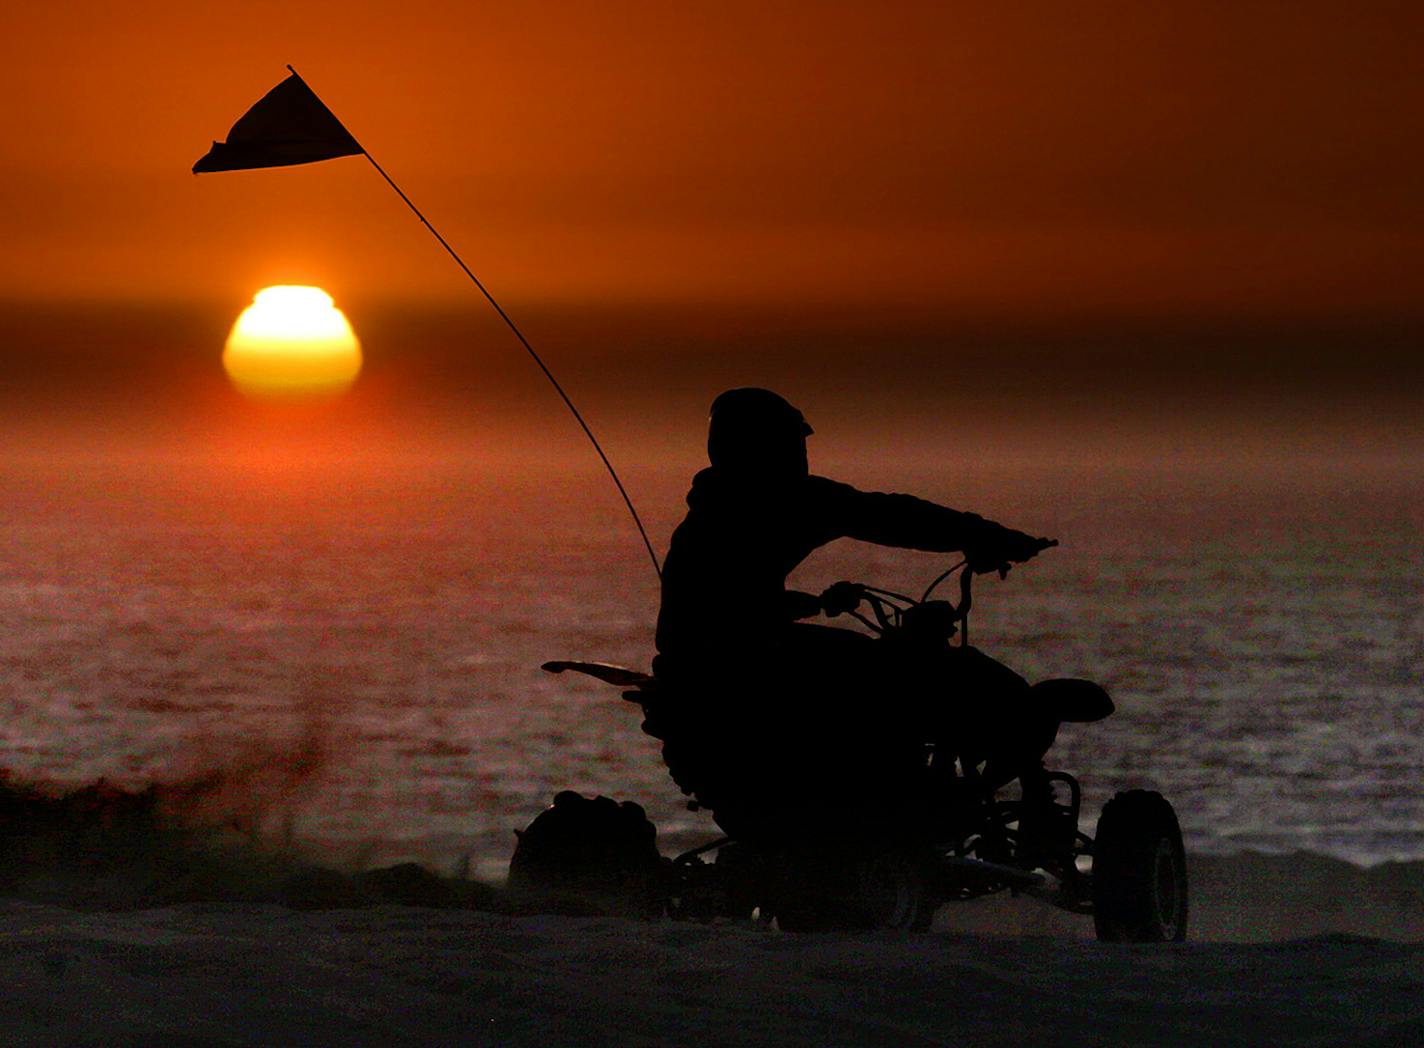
(754, 430)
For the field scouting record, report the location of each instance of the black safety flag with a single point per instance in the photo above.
(288, 125)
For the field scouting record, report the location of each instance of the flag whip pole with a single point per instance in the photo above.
(627, 501)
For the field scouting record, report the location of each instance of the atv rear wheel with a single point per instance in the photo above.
(589, 856)
(1139, 871)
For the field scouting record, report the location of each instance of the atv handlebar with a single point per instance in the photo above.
(891, 609)
(1001, 560)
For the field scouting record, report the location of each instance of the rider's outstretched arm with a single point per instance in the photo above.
(915, 523)
(798, 605)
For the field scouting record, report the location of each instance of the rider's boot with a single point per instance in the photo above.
(1046, 827)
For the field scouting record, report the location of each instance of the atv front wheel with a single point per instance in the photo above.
(1139, 871)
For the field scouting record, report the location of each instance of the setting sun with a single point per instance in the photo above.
(292, 342)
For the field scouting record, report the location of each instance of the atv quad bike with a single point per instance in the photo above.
(942, 833)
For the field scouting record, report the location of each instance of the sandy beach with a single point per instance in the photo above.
(1300, 971)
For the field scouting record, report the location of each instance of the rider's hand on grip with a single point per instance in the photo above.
(841, 597)
(1006, 548)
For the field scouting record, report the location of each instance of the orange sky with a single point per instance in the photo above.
(1195, 159)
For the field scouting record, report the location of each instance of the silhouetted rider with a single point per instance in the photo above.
(757, 512)
(762, 690)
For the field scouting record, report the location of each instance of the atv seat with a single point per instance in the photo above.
(1071, 700)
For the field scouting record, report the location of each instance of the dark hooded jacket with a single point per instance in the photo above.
(724, 580)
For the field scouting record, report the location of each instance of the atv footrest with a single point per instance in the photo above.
(978, 874)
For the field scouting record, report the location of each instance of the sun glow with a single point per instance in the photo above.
(292, 342)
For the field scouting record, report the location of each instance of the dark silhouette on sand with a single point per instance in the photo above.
(856, 777)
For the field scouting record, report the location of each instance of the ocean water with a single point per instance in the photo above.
(357, 647)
